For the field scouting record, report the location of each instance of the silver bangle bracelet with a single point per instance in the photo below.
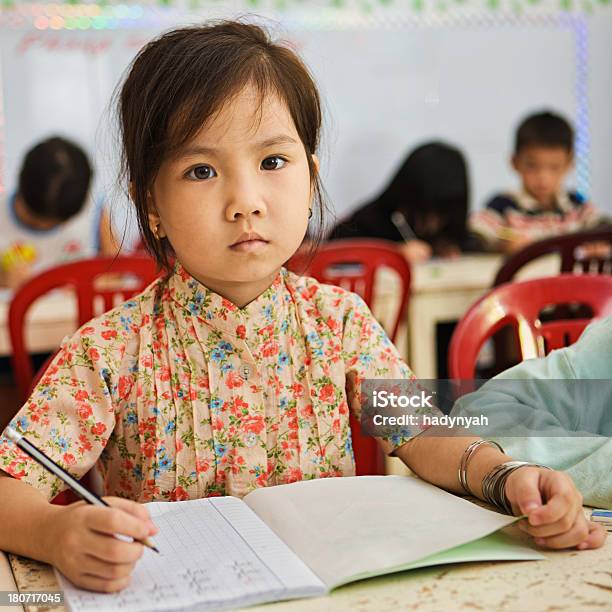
(468, 453)
(494, 483)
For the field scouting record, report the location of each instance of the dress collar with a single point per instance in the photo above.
(218, 312)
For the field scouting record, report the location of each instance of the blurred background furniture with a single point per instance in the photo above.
(521, 305)
(94, 286)
(98, 285)
(582, 252)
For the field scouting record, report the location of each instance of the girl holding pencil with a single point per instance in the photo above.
(423, 207)
(229, 373)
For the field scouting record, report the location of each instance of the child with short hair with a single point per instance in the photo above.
(230, 373)
(543, 207)
(51, 218)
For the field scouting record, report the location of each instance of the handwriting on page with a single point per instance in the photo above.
(204, 560)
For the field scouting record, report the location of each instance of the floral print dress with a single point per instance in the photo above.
(179, 394)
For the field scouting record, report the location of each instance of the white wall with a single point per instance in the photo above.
(389, 91)
(600, 102)
(386, 90)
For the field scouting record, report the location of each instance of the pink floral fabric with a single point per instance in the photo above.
(178, 394)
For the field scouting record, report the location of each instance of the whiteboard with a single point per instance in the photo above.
(385, 91)
(389, 91)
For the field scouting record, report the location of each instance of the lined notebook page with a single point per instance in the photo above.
(216, 553)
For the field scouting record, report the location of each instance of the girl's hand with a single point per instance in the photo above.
(554, 508)
(85, 549)
(415, 251)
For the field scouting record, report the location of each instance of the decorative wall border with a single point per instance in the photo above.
(93, 17)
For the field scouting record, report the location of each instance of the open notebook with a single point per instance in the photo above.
(301, 540)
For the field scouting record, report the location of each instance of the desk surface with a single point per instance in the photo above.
(468, 272)
(50, 319)
(567, 580)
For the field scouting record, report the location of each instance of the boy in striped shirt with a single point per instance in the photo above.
(543, 157)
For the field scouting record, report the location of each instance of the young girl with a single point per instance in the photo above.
(230, 373)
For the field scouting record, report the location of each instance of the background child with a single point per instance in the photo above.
(230, 373)
(543, 207)
(51, 218)
(431, 190)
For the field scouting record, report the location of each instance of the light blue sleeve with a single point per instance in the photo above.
(556, 411)
(591, 356)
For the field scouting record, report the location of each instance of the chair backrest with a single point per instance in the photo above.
(81, 276)
(571, 247)
(520, 304)
(352, 264)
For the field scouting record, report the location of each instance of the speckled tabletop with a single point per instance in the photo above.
(567, 580)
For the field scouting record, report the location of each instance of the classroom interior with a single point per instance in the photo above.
(450, 111)
(465, 158)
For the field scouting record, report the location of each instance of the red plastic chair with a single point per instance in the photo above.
(520, 305)
(352, 264)
(569, 247)
(574, 258)
(81, 276)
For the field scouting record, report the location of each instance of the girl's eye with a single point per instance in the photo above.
(200, 173)
(273, 163)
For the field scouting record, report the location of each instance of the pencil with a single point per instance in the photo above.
(403, 227)
(36, 454)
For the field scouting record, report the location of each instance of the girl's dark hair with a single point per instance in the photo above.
(178, 81)
(54, 179)
(432, 180)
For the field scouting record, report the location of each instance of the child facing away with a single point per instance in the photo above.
(51, 218)
(230, 373)
(431, 191)
(543, 207)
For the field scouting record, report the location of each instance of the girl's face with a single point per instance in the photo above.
(234, 201)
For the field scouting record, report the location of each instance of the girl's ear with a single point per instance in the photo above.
(154, 219)
(155, 223)
(156, 226)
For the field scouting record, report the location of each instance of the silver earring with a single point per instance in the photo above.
(310, 213)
